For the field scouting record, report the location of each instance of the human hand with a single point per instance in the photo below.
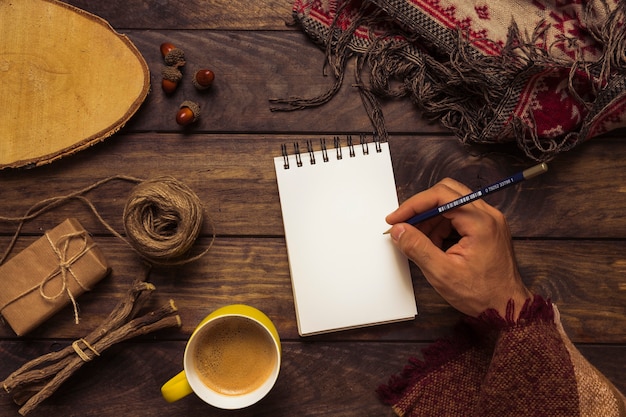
(476, 273)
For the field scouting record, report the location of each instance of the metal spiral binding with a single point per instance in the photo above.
(366, 150)
(324, 150)
(283, 149)
(337, 145)
(296, 150)
(379, 148)
(351, 147)
(309, 148)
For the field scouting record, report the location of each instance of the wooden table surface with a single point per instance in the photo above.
(568, 225)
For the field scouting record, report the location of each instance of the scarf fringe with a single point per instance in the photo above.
(471, 332)
(467, 92)
(434, 356)
(535, 310)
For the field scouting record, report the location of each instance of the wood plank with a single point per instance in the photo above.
(585, 279)
(581, 196)
(250, 68)
(316, 379)
(192, 14)
(313, 381)
(235, 179)
(251, 271)
(569, 228)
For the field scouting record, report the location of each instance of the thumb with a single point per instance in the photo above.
(418, 247)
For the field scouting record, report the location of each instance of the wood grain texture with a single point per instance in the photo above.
(250, 68)
(255, 271)
(321, 379)
(581, 196)
(569, 226)
(193, 14)
(54, 101)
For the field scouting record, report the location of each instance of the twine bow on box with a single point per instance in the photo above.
(162, 219)
(61, 249)
(65, 262)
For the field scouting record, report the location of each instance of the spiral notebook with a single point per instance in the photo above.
(344, 272)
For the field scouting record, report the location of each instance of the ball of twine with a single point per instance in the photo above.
(162, 219)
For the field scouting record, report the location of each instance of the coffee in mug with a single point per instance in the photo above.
(234, 356)
(231, 360)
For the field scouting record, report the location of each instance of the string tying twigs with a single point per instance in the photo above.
(162, 218)
(40, 378)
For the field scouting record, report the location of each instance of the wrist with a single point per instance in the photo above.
(535, 309)
(516, 304)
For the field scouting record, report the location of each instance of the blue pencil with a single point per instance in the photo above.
(506, 182)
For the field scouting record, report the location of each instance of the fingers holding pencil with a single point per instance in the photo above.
(477, 272)
(437, 228)
(422, 215)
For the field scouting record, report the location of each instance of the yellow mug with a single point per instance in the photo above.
(231, 360)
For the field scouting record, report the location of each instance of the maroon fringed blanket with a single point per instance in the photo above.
(495, 367)
(548, 74)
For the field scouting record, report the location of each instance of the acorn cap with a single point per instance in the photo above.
(198, 85)
(171, 73)
(175, 58)
(193, 106)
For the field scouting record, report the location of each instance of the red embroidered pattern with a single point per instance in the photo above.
(538, 96)
(482, 12)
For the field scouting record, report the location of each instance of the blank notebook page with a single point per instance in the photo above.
(345, 273)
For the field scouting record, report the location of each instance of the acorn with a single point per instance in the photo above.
(171, 78)
(188, 113)
(172, 55)
(203, 79)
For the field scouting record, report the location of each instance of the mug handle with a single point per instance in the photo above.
(176, 388)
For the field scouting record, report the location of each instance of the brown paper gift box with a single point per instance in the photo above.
(48, 275)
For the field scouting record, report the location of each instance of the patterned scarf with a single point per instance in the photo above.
(548, 74)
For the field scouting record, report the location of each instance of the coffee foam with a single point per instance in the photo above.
(235, 356)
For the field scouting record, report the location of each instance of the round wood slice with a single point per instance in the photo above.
(68, 81)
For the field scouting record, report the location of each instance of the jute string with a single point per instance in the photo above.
(162, 219)
(81, 353)
(64, 270)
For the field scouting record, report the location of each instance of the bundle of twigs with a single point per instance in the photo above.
(38, 379)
